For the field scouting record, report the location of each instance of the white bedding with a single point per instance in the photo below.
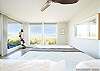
(90, 64)
(71, 58)
(25, 65)
(31, 65)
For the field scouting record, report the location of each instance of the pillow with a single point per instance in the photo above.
(89, 64)
(58, 66)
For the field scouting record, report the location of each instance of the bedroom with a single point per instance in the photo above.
(62, 17)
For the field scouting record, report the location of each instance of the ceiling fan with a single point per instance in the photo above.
(48, 3)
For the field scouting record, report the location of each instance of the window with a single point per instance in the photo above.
(87, 29)
(50, 31)
(43, 34)
(13, 34)
(82, 31)
(93, 30)
(36, 33)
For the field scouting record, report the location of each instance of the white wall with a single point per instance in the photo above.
(88, 46)
(62, 32)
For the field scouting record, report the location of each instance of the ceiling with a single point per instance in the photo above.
(29, 10)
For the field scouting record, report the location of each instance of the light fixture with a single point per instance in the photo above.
(48, 3)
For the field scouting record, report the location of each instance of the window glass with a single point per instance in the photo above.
(36, 33)
(50, 33)
(13, 29)
(82, 30)
(93, 30)
(87, 29)
(43, 34)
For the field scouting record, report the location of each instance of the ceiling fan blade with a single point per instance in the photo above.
(65, 1)
(46, 5)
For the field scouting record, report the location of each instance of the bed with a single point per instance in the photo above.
(68, 60)
(25, 65)
(50, 48)
(44, 61)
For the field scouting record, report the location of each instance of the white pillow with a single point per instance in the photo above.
(89, 64)
(58, 66)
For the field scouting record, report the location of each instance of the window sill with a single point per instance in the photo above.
(13, 49)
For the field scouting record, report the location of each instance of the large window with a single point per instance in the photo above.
(13, 34)
(50, 32)
(43, 34)
(82, 30)
(87, 29)
(36, 33)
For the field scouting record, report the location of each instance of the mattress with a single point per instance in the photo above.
(71, 58)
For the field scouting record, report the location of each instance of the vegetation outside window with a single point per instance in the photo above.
(43, 34)
(13, 34)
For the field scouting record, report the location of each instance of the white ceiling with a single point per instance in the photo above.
(29, 10)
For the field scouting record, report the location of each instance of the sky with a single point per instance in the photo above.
(49, 29)
(14, 28)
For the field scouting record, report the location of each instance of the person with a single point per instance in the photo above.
(8, 45)
(22, 39)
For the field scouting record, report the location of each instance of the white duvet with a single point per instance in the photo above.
(31, 65)
(71, 59)
(51, 61)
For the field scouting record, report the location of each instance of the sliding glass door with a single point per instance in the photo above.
(13, 30)
(43, 34)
